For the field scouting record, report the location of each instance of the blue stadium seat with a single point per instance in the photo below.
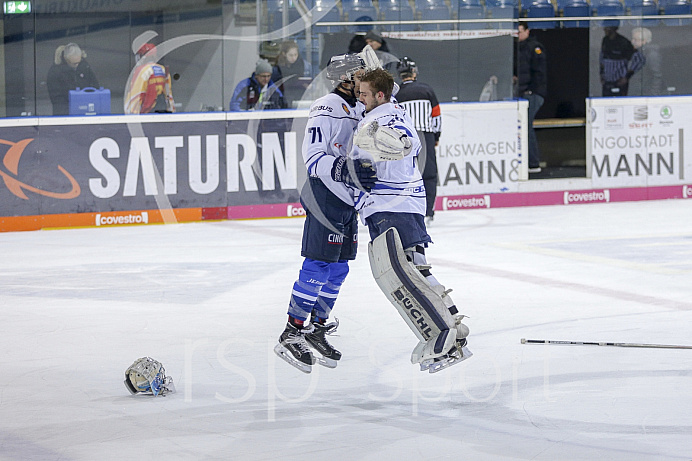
(396, 10)
(330, 15)
(359, 11)
(275, 11)
(608, 8)
(502, 9)
(669, 7)
(469, 9)
(642, 8)
(433, 10)
(540, 9)
(575, 8)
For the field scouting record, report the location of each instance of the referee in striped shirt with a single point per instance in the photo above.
(421, 104)
(618, 62)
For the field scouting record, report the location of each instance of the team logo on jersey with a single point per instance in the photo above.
(345, 107)
(538, 50)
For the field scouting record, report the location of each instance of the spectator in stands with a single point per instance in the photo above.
(292, 71)
(650, 82)
(149, 89)
(357, 44)
(531, 83)
(69, 71)
(379, 45)
(616, 64)
(257, 92)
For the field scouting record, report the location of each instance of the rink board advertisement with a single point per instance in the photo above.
(481, 148)
(105, 169)
(639, 142)
(165, 168)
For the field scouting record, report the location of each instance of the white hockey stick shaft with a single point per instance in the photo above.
(587, 343)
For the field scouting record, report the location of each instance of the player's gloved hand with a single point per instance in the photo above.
(354, 172)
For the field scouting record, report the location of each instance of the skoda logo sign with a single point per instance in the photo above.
(666, 112)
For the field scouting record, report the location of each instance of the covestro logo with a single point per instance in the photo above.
(121, 219)
(457, 203)
(596, 196)
(295, 211)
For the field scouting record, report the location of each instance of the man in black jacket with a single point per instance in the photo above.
(69, 72)
(531, 83)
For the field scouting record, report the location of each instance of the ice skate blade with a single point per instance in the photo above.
(433, 366)
(326, 362)
(282, 352)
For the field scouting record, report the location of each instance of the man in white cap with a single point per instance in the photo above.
(257, 92)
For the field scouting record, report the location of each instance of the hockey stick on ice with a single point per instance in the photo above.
(586, 343)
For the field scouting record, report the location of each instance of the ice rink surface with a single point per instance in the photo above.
(208, 300)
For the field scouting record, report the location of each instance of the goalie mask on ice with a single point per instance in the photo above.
(426, 307)
(147, 376)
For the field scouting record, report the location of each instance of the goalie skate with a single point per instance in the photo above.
(294, 349)
(456, 355)
(328, 356)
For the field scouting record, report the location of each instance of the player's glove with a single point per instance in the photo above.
(384, 143)
(354, 172)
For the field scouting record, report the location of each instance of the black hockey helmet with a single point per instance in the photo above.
(406, 67)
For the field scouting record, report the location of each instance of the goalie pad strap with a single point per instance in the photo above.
(409, 284)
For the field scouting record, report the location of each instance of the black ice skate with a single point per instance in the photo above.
(294, 349)
(317, 340)
(457, 354)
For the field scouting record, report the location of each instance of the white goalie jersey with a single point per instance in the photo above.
(329, 134)
(399, 187)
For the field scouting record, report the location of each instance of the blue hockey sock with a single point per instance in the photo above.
(330, 290)
(312, 277)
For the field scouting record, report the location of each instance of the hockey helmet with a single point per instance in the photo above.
(341, 68)
(148, 376)
(406, 67)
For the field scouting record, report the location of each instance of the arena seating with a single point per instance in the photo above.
(469, 9)
(396, 10)
(608, 8)
(359, 11)
(540, 9)
(575, 8)
(433, 10)
(502, 9)
(669, 7)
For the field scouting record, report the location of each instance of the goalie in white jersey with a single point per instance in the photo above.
(394, 211)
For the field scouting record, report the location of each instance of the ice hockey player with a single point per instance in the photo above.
(394, 212)
(330, 233)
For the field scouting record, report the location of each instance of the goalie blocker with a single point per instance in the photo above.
(427, 309)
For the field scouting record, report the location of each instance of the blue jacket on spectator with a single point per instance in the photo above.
(248, 96)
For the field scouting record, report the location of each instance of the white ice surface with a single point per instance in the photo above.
(208, 300)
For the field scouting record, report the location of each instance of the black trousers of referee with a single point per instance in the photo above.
(428, 167)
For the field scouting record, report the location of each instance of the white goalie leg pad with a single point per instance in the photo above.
(421, 307)
(417, 255)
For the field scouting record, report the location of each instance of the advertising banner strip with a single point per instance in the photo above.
(102, 219)
(564, 197)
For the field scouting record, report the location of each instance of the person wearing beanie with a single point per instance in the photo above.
(69, 71)
(379, 45)
(257, 92)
